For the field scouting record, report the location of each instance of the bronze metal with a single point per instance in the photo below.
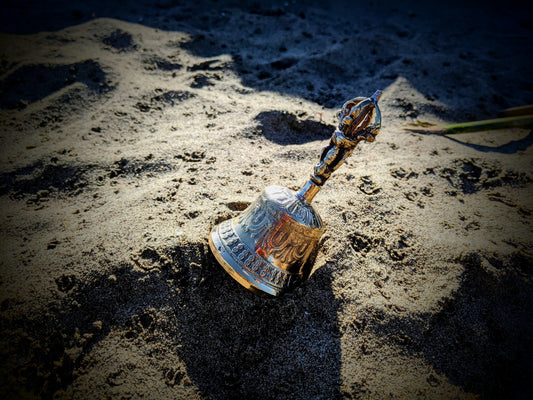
(270, 247)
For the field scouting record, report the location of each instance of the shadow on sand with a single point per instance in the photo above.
(479, 338)
(325, 65)
(507, 148)
(234, 344)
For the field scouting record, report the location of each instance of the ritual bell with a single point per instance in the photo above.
(270, 247)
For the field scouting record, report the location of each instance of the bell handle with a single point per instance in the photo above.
(354, 126)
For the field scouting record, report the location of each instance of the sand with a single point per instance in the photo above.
(128, 130)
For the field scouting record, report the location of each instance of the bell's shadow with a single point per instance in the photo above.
(236, 344)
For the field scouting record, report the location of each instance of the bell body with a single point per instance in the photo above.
(270, 247)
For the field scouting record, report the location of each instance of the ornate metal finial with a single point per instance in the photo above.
(355, 116)
(355, 125)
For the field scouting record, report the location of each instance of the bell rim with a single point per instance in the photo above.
(232, 267)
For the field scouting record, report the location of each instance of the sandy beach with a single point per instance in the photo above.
(129, 129)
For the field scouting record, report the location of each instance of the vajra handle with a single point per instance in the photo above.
(359, 119)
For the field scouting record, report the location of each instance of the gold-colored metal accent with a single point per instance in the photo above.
(270, 247)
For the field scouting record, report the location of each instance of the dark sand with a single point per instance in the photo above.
(126, 132)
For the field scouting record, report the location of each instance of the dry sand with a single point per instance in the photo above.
(127, 131)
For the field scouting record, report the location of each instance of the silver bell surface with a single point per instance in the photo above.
(270, 248)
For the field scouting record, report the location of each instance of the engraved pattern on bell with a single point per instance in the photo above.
(270, 247)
